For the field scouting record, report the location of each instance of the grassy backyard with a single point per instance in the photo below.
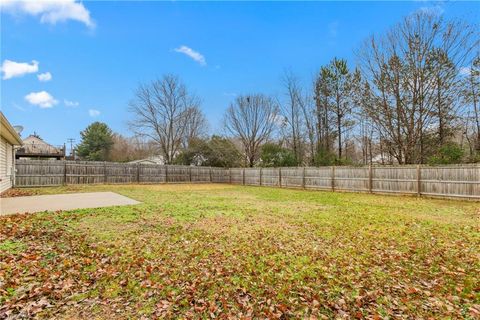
(204, 251)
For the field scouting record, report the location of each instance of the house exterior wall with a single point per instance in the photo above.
(9, 138)
(6, 165)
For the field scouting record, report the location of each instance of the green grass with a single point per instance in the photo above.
(232, 251)
(12, 246)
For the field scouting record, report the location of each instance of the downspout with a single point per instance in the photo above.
(14, 167)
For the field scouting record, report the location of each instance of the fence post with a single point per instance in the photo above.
(333, 178)
(303, 178)
(190, 173)
(243, 176)
(370, 178)
(260, 176)
(210, 173)
(64, 172)
(166, 173)
(419, 181)
(138, 172)
(230, 175)
(104, 172)
(280, 177)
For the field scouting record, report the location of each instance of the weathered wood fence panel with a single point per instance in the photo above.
(351, 178)
(121, 173)
(34, 173)
(84, 172)
(152, 173)
(178, 174)
(319, 178)
(39, 173)
(271, 177)
(454, 181)
(252, 176)
(293, 177)
(459, 181)
(395, 179)
(200, 174)
(236, 175)
(220, 175)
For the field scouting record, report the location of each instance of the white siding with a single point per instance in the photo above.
(6, 163)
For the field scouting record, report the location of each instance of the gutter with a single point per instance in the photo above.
(8, 132)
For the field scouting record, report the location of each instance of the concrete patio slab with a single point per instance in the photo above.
(67, 201)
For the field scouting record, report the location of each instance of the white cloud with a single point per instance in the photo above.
(93, 113)
(434, 10)
(50, 11)
(465, 71)
(43, 99)
(12, 69)
(46, 76)
(69, 103)
(195, 55)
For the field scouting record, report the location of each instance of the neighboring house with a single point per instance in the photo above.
(9, 139)
(150, 160)
(35, 148)
(198, 160)
(384, 159)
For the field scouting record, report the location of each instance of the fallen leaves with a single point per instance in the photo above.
(237, 254)
(15, 192)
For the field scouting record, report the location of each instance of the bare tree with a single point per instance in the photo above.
(445, 98)
(130, 148)
(163, 112)
(308, 108)
(196, 125)
(251, 118)
(403, 77)
(291, 110)
(471, 96)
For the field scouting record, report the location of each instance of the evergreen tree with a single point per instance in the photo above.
(214, 152)
(274, 155)
(97, 140)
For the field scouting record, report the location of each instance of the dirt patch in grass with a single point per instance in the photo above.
(213, 251)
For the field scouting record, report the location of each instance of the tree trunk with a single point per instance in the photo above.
(441, 124)
(339, 129)
(477, 115)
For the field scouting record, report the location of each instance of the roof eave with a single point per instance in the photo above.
(8, 132)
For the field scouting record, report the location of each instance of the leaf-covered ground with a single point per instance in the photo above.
(220, 251)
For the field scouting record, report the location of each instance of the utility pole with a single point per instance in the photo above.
(72, 151)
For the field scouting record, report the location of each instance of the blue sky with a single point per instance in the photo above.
(96, 53)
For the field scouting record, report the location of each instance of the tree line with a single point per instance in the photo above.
(412, 97)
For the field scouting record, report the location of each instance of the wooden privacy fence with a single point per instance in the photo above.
(440, 181)
(456, 181)
(38, 173)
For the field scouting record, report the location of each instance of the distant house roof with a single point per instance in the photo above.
(34, 139)
(8, 132)
(150, 160)
(35, 142)
(33, 146)
(143, 161)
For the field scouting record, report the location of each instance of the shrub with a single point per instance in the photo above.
(447, 154)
